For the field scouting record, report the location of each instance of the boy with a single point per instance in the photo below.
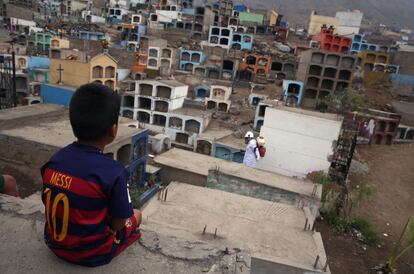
(89, 216)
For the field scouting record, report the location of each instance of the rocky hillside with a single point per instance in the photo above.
(392, 12)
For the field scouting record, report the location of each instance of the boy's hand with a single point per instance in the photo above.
(117, 224)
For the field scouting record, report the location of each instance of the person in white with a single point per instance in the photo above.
(251, 156)
(371, 128)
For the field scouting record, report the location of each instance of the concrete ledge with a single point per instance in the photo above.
(23, 250)
(218, 218)
(263, 265)
(199, 164)
(264, 190)
(28, 206)
(28, 111)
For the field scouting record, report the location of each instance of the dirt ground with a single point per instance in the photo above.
(28, 180)
(391, 170)
(377, 96)
(380, 95)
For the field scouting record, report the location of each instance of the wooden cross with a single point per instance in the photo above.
(60, 69)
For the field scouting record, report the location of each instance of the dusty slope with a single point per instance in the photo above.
(395, 12)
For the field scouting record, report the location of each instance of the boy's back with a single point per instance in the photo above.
(86, 187)
(89, 216)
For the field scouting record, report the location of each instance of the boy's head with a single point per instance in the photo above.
(93, 113)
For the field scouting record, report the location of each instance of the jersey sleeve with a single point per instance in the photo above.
(120, 203)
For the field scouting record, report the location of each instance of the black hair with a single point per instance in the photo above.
(93, 110)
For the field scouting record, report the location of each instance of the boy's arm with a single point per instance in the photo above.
(120, 207)
(117, 224)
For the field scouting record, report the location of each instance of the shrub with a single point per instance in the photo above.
(370, 235)
(342, 225)
(364, 192)
(344, 101)
(135, 197)
(336, 222)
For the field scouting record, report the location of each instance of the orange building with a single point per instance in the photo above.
(257, 63)
(141, 56)
(332, 42)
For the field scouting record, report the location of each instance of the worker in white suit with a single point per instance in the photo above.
(252, 155)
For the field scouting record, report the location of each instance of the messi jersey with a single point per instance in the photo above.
(82, 188)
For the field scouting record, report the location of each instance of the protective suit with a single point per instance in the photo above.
(252, 154)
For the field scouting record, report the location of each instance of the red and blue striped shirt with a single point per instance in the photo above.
(82, 189)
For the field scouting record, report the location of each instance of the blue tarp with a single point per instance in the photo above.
(58, 95)
(240, 8)
(402, 79)
(38, 62)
